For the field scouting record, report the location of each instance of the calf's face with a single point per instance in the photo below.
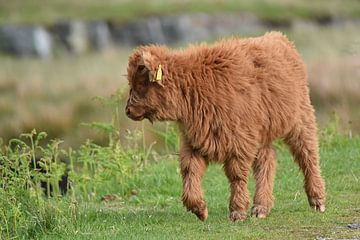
(147, 98)
(142, 99)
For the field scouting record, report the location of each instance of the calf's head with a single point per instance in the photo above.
(150, 95)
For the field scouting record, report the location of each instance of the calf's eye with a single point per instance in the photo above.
(141, 69)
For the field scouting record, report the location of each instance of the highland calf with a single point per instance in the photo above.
(231, 100)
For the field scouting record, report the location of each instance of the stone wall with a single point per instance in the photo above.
(78, 37)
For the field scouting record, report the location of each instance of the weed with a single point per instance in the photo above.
(92, 171)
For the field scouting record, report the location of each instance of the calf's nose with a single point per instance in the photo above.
(127, 110)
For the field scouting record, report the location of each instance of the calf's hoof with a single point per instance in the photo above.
(200, 211)
(260, 211)
(238, 216)
(202, 214)
(317, 204)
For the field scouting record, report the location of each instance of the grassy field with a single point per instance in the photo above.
(143, 198)
(124, 186)
(36, 11)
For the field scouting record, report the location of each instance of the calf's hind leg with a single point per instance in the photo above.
(264, 172)
(303, 143)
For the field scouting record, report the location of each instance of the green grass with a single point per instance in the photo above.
(159, 214)
(148, 205)
(36, 11)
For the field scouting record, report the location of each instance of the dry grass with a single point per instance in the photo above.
(57, 95)
(332, 56)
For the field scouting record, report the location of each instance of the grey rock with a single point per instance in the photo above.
(99, 35)
(22, 40)
(72, 36)
(301, 24)
(42, 42)
(184, 28)
(201, 26)
(192, 27)
(238, 24)
(354, 226)
(144, 31)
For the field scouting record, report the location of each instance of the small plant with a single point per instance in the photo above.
(30, 198)
(170, 135)
(24, 210)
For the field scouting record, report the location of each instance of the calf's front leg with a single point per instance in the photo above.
(193, 167)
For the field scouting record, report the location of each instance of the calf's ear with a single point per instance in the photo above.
(144, 64)
(147, 60)
(155, 68)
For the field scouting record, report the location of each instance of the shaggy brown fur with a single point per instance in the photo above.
(231, 101)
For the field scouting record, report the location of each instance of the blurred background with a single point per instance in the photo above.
(62, 63)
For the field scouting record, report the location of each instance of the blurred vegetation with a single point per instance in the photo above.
(39, 11)
(57, 95)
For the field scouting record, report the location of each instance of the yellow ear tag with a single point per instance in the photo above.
(158, 76)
